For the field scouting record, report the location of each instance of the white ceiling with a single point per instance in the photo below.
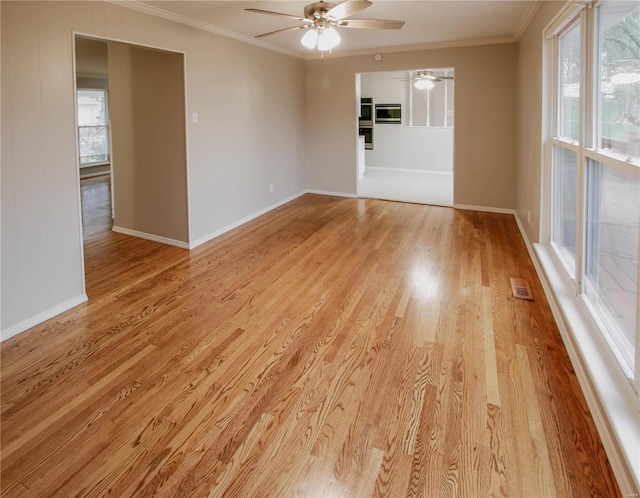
(428, 22)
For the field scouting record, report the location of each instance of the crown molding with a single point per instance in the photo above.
(171, 16)
(532, 8)
(415, 48)
(211, 28)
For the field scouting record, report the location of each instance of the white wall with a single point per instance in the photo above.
(416, 148)
(485, 134)
(397, 146)
(250, 132)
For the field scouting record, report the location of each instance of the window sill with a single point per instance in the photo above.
(91, 165)
(612, 400)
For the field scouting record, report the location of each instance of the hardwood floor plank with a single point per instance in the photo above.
(490, 362)
(332, 346)
(498, 467)
(540, 452)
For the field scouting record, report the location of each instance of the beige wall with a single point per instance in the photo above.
(530, 85)
(485, 136)
(147, 111)
(101, 83)
(250, 132)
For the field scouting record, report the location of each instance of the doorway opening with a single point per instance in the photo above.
(132, 166)
(94, 144)
(405, 143)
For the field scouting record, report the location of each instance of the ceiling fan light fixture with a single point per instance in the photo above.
(320, 19)
(328, 39)
(424, 84)
(310, 38)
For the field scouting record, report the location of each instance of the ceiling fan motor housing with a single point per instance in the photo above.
(316, 10)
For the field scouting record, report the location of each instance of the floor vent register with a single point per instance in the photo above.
(520, 289)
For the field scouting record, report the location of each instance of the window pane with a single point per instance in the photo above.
(430, 97)
(569, 101)
(619, 103)
(564, 203)
(93, 144)
(92, 110)
(611, 252)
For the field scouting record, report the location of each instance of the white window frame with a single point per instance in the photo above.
(585, 149)
(106, 127)
(596, 358)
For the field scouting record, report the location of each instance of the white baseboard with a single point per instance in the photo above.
(405, 170)
(244, 220)
(622, 455)
(149, 236)
(527, 243)
(41, 317)
(485, 209)
(334, 194)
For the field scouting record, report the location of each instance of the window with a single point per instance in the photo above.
(429, 98)
(569, 83)
(93, 129)
(618, 117)
(565, 152)
(593, 223)
(611, 252)
(564, 205)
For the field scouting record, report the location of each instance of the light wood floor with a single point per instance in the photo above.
(333, 347)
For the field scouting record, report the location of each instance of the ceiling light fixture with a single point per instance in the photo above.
(423, 84)
(310, 39)
(321, 18)
(321, 36)
(328, 39)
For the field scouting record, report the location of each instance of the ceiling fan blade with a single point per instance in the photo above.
(280, 31)
(370, 24)
(347, 9)
(280, 14)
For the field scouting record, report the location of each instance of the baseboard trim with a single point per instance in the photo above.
(244, 220)
(485, 209)
(333, 194)
(528, 245)
(42, 317)
(149, 236)
(618, 458)
(405, 170)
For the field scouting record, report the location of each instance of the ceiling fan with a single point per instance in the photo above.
(321, 19)
(425, 79)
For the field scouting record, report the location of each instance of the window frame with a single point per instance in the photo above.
(587, 15)
(612, 391)
(556, 140)
(106, 127)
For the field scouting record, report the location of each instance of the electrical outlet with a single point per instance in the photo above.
(528, 216)
(194, 117)
(271, 187)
